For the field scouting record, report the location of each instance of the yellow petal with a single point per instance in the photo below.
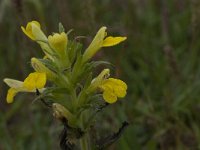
(111, 41)
(13, 83)
(41, 80)
(36, 23)
(33, 31)
(30, 35)
(107, 86)
(120, 91)
(28, 30)
(114, 86)
(118, 82)
(109, 96)
(38, 33)
(35, 80)
(108, 92)
(11, 94)
(118, 86)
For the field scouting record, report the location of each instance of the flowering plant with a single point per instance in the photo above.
(73, 94)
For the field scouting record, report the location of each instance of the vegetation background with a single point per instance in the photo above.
(159, 61)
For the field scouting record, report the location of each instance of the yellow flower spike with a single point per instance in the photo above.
(99, 42)
(35, 80)
(33, 31)
(41, 68)
(58, 42)
(113, 88)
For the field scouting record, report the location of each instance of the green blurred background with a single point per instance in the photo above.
(159, 61)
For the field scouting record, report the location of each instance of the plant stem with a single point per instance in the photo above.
(84, 142)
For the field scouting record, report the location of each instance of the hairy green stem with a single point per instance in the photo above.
(84, 142)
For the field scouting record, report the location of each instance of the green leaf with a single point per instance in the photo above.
(61, 28)
(56, 90)
(68, 32)
(97, 63)
(88, 80)
(73, 50)
(50, 65)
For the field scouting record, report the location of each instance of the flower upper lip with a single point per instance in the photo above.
(33, 31)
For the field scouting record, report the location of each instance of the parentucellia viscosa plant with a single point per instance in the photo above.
(73, 94)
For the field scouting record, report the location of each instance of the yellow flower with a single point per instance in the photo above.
(31, 83)
(100, 41)
(112, 89)
(33, 31)
(58, 42)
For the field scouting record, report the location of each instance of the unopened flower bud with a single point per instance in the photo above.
(58, 42)
(40, 67)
